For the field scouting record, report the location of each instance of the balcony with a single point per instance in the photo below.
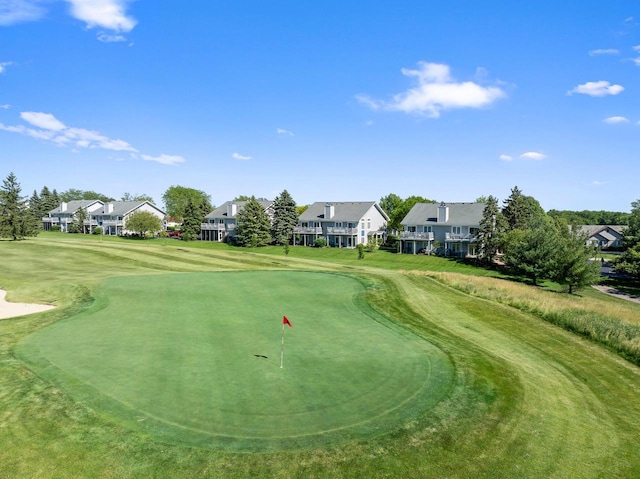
(112, 222)
(337, 230)
(459, 237)
(308, 230)
(414, 235)
(213, 226)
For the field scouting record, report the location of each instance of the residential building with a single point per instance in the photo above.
(113, 216)
(450, 229)
(342, 224)
(604, 236)
(220, 224)
(64, 214)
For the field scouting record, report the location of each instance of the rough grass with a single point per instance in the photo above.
(529, 400)
(614, 323)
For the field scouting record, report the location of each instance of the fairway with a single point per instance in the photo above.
(194, 358)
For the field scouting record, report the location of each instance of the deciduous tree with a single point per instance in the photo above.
(175, 199)
(574, 265)
(143, 222)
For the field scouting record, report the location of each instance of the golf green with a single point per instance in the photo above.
(195, 359)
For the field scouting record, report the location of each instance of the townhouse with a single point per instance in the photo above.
(220, 224)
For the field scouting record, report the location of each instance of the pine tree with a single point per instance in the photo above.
(253, 226)
(519, 209)
(573, 266)
(492, 228)
(285, 218)
(191, 220)
(16, 221)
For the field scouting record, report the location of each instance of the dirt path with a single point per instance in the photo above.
(617, 293)
(11, 310)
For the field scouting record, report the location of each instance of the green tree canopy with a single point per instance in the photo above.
(574, 265)
(137, 197)
(16, 220)
(390, 204)
(191, 222)
(400, 210)
(519, 209)
(73, 194)
(285, 218)
(531, 250)
(492, 230)
(253, 225)
(176, 198)
(588, 217)
(143, 222)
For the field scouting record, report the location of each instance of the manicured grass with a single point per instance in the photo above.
(195, 359)
(528, 400)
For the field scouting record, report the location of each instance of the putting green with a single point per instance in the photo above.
(195, 359)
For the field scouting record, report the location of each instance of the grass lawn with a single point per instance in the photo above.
(526, 399)
(195, 359)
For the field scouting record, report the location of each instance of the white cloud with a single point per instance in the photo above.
(3, 66)
(612, 120)
(604, 51)
(628, 20)
(436, 91)
(637, 48)
(505, 158)
(108, 14)
(238, 156)
(6, 106)
(281, 131)
(49, 128)
(45, 121)
(164, 159)
(533, 155)
(598, 183)
(107, 38)
(597, 88)
(20, 11)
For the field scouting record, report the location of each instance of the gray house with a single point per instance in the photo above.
(604, 236)
(220, 224)
(342, 224)
(450, 229)
(64, 214)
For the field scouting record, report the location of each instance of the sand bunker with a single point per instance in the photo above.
(11, 310)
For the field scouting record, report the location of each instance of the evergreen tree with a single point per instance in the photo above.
(48, 200)
(285, 218)
(532, 250)
(253, 226)
(191, 221)
(629, 260)
(631, 234)
(35, 207)
(16, 221)
(573, 258)
(79, 217)
(492, 229)
(519, 209)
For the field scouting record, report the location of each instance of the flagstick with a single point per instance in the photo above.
(282, 351)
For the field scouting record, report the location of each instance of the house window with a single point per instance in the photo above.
(474, 231)
(305, 224)
(368, 223)
(456, 230)
(427, 229)
(411, 229)
(339, 225)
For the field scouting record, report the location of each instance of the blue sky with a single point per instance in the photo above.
(331, 100)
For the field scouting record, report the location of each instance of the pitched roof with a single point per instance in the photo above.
(343, 211)
(459, 214)
(121, 208)
(593, 230)
(222, 211)
(72, 206)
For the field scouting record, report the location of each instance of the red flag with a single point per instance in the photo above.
(286, 321)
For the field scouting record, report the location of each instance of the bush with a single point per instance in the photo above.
(55, 228)
(320, 243)
(360, 249)
(97, 230)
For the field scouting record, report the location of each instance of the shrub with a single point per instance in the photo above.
(320, 243)
(97, 230)
(360, 249)
(55, 228)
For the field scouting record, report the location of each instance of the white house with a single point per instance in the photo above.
(342, 224)
(220, 224)
(112, 217)
(450, 229)
(64, 214)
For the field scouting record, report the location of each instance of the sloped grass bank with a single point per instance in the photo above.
(612, 323)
